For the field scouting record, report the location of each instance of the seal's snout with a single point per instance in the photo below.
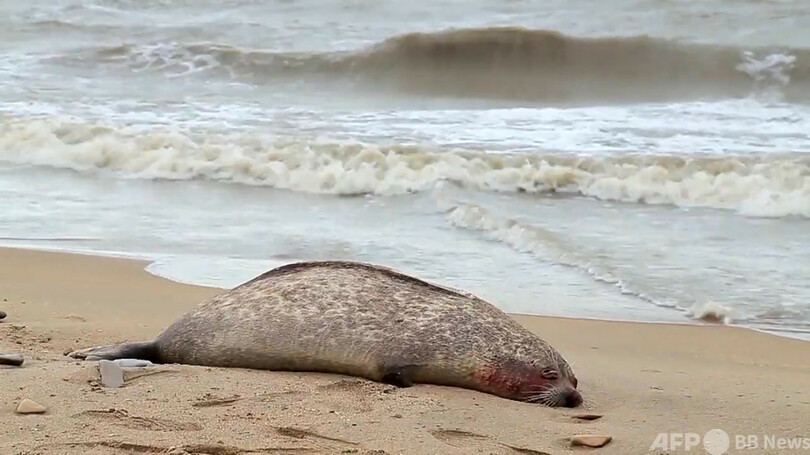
(573, 398)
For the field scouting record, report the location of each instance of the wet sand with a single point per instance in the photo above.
(642, 378)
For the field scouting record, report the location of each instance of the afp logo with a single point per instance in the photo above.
(715, 442)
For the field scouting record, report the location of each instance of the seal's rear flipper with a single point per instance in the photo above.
(142, 350)
(400, 376)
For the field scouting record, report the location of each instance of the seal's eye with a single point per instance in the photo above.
(550, 373)
(574, 382)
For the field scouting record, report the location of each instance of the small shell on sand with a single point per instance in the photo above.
(12, 359)
(590, 440)
(27, 406)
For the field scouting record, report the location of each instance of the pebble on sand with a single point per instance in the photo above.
(111, 374)
(12, 359)
(2, 315)
(27, 406)
(590, 440)
(587, 416)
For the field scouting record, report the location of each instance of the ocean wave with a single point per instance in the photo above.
(755, 185)
(563, 249)
(505, 63)
(544, 244)
(175, 59)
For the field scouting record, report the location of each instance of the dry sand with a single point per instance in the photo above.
(643, 378)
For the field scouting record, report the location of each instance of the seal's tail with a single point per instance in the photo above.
(146, 350)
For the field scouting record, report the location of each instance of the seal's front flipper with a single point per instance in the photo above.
(142, 351)
(400, 376)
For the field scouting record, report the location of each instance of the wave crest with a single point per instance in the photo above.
(756, 185)
(504, 63)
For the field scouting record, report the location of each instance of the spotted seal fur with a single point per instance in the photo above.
(362, 320)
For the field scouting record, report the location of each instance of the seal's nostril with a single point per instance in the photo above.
(573, 399)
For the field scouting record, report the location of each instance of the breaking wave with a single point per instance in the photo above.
(558, 248)
(546, 245)
(755, 185)
(504, 63)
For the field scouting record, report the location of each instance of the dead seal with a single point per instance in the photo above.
(362, 320)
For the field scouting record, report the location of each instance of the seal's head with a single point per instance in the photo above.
(551, 383)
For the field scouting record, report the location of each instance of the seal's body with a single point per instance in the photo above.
(362, 320)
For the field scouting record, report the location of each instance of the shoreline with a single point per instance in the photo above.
(644, 379)
(149, 260)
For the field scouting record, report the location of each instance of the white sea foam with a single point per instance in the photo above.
(770, 73)
(544, 244)
(712, 311)
(756, 185)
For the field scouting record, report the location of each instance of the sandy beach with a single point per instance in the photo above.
(642, 378)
